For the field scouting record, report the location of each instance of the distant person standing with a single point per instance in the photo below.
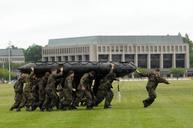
(154, 79)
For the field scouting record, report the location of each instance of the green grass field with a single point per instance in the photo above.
(173, 108)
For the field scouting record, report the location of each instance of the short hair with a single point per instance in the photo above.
(157, 70)
(70, 72)
(92, 72)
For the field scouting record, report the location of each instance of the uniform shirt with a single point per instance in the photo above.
(153, 79)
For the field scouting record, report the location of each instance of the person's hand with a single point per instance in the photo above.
(32, 68)
(112, 66)
(73, 89)
(137, 71)
(61, 69)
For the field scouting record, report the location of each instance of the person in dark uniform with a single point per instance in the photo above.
(35, 94)
(18, 89)
(84, 89)
(27, 94)
(105, 89)
(41, 89)
(153, 80)
(68, 89)
(52, 98)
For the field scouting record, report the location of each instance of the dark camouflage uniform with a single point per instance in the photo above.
(84, 89)
(41, 92)
(27, 94)
(52, 98)
(68, 92)
(105, 90)
(153, 81)
(18, 89)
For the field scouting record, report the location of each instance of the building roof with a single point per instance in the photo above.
(14, 52)
(168, 39)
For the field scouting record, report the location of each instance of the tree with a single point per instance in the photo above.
(4, 74)
(177, 72)
(187, 40)
(33, 53)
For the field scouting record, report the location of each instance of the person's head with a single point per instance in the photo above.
(92, 74)
(54, 70)
(71, 73)
(157, 71)
(23, 77)
(47, 74)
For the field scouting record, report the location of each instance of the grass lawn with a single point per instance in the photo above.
(173, 108)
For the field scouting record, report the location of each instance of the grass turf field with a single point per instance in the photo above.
(173, 108)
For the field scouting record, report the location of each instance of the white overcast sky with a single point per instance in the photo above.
(27, 22)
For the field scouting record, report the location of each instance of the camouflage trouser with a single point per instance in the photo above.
(41, 94)
(152, 96)
(51, 99)
(67, 98)
(18, 100)
(35, 101)
(26, 100)
(87, 93)
(104, 94)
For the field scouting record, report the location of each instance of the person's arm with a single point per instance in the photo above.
(82, 81)
(162, 80)
(69, 84)
(142, 74)
(31, 73)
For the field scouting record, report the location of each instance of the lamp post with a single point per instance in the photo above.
(9, 62)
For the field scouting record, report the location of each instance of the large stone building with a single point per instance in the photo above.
(16, 56)
(145, 51)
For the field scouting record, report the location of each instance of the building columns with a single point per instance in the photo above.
(123, 57)
(136, 60)
(174, 61)
(161, 61)
(148, 61)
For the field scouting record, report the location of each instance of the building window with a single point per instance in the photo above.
(117, 48)
(129, 58)
(103, 58)
(116, 58)
(155, 48)
(138, 48)
(59, 59)
(72, 58)
(180, 60)
(155, 60)
(103, 48)
(108, 49)
(176, 48)
(184, 48)
(172, 48)
(142, 48)
(160, 48)
(147, 49)
(167, 60)
(164, 49)
(142, 60)
(130, 48)
(121, 48)
(52, 59)
(79, 57)
(168, 48)
(180, 48)
(112, 48)
(125, 48)
(151, 48)
(65, 58)
(86, 57)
